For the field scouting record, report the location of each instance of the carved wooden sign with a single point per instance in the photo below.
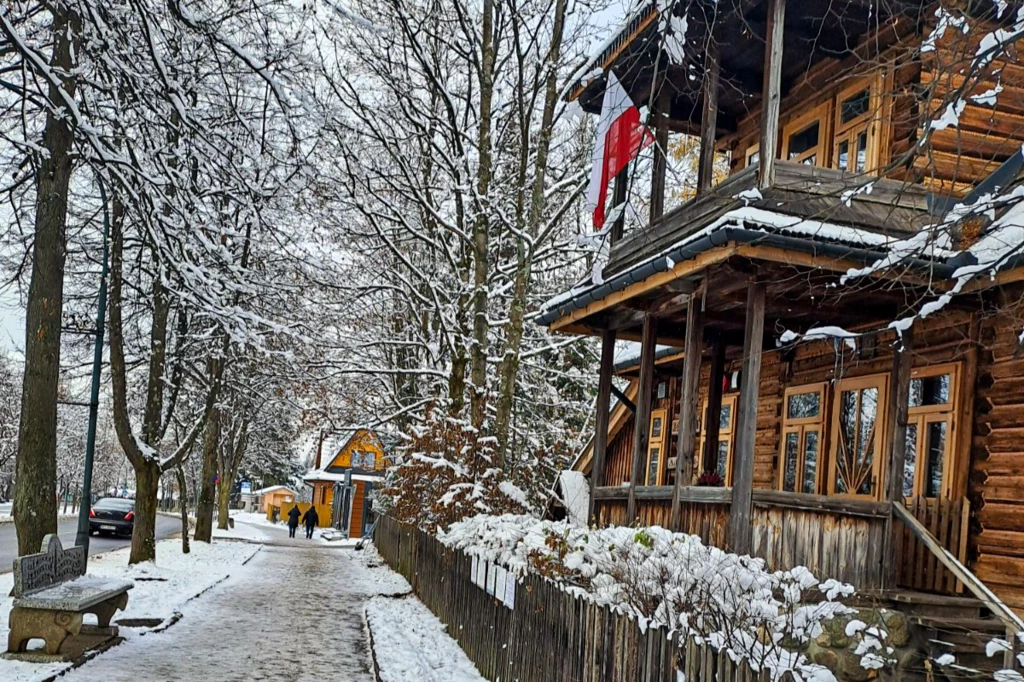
(52, 566)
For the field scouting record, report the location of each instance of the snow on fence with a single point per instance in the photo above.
(550, 634)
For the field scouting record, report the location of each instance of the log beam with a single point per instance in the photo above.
(659, 171)
(712, 418)
(740, 529)
(642, 423)
(686, 445)
(896, 432)
(771, 95)
(709, 119)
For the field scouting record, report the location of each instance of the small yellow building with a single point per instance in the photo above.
(361, 461)
(274, 496)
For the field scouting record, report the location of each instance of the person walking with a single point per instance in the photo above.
(293, 520)
(311, 518)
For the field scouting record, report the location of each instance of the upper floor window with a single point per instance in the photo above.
(804, 138)
(856, 143)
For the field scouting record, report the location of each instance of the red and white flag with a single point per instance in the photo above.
(620, 137)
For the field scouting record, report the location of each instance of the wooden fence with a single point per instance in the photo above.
(947, 521)
(548, 635)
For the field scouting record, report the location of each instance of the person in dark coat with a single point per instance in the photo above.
(293, 520)
(311, 518)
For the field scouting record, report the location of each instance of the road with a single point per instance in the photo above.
(166, 526)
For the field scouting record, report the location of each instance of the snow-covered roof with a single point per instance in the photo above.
(273, 488)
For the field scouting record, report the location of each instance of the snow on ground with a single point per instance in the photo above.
(410, 643)
(256, 528)
(160, 589)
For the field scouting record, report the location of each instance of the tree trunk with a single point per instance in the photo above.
(35, 504)
(478, 352)
(223, 498)
(207, 491)
(182, 488)
(517, 311)
(147, 484)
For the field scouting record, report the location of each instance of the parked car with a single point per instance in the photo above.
(112, 515)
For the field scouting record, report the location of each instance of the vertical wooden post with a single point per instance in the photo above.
(712, 417)
(896, 433)
(740, 516)
(686, 446)
(642, 417)
(709, 119)
(771, 93)
(619, 196)
(660, 169)
(604, 395)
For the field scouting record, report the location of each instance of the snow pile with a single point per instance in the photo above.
(670, 580)
(410, 643)
(575, 496)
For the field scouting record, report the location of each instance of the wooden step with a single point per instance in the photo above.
(936, 605)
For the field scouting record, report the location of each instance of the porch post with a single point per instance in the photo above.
(896, 429)
(642, 419)
(688, 406)
(771, 94)
(712, 417)
(659, 171)
(604, 391)
(740, 516)
(709, 119)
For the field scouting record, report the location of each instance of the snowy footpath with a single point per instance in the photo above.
(265, 608)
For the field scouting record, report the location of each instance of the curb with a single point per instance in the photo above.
(374, 666)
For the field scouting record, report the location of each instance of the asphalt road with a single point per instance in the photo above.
(166, 526)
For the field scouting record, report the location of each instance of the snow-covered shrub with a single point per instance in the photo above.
(445, 473)
(670, 580)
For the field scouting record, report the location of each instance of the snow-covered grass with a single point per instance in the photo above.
(160, 588)
(669, 580)
(410, 643)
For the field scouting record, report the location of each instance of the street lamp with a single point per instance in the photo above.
(82, 538)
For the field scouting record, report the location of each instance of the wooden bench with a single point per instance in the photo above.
(52, 594)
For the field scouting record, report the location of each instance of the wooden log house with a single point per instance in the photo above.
(894, 463)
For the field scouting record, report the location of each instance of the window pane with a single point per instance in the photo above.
(725, 417)
(936, 454)
(930, 390)
(844, 154)
(652, 466)
(803, 405)
(855, 105)
(656, 426)
(805, 140)
(753, 158)
(856, 449)
(810, 462)
(847, 440)
(866, 438)
(792, 452)
(910, 463)
(862, 151)
(723, 458)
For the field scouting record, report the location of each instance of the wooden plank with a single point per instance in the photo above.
(642, 425)
(712, 418)
(746, 425)
(709, 118)
(771, 93)
(604, 386)
(821, 503)
(659, 171)
(686, 444)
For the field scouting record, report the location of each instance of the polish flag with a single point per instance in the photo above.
(620, 137)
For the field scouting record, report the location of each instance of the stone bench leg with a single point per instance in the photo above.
(51, 626)
(105, 610)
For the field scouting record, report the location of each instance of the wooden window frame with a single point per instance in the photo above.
(869, 122)
(923, 415)
(878, 466)
(725, 434)
(800, 426)
(821, 114)
(748, 154)
(657, 442)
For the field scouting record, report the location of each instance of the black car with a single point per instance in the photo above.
(112, 515)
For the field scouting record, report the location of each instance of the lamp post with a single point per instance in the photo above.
(82, 538)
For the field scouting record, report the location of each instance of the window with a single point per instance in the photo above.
(804, 139)
(369, 460)
(856, 108)
(858, 422)
(929, 431)
(753, 155)
(656, 448)
(726, 424)
(802, 421)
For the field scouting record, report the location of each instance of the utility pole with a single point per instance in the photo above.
(85, 507)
